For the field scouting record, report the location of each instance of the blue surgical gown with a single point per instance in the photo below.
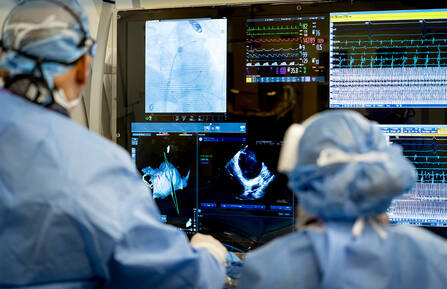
(331, 258)
(74, 212)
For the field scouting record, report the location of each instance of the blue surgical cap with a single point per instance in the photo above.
(45, 30)
(346, 167)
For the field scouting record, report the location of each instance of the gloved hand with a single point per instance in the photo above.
(201, 241)
(234, 268)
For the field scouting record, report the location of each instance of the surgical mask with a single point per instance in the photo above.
(61, 99)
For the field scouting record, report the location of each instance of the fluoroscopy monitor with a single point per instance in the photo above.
(425, 146)
(186, 66)
(388, 59)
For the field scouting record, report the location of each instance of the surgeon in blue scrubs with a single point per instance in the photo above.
(345, 174)
(73, 210)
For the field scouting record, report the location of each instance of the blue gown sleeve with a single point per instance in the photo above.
(285, 263)
(127, 244)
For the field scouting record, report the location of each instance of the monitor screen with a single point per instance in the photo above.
(388, 59)
(243, 199)
(186, 66)
(207, 177)
(425, 146)
(217, 64)
(286, 49)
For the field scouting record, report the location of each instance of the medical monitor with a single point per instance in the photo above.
(243, 200)
(286, 49)
(425, 146)
(389, 59)
(186, 66)
(209, 178)
(220, 63)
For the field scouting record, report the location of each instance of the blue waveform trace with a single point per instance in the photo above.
(379, 53)
(386, 40)
(417, 47)
(421, 163)
(420, 144)
(422, 151)
(390, 28)
(394, 35)
(363, 59)
(380, 61)
(388, 65)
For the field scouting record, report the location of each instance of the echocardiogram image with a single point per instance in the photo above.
(230, 170)
(243, 200)
(167, 165)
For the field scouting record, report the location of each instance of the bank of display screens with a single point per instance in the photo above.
(206, 94)
(395, 58)
(425, 146)
(209, 178)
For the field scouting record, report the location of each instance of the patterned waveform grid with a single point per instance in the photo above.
(388, 63)
(427, 202)
(354, 87)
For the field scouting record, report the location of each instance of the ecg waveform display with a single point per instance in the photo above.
(388, 59)
(286, 49)
(426, 204)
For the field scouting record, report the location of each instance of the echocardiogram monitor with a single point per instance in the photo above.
(209, 178)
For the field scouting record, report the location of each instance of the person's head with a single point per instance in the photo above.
(50, 41)
(342, 167)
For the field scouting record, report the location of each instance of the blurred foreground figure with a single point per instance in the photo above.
(74, 212)
(345, 174)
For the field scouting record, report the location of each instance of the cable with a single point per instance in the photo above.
(234, 248)
(85, 111)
